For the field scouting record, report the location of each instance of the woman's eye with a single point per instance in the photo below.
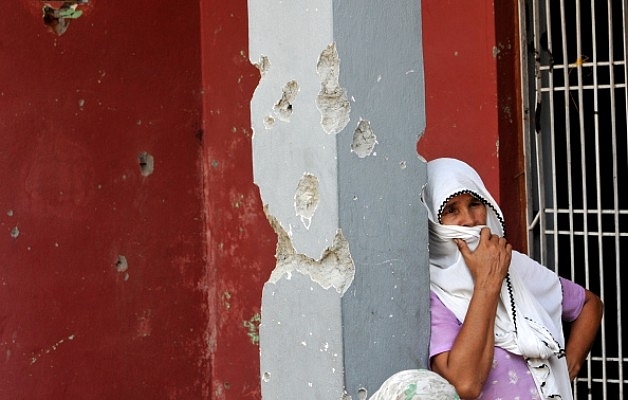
(448, 210)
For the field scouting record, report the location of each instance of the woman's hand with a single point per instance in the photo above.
(474, 345)
(489, 262)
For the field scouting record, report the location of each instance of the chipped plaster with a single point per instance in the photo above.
(334, 269)
(349, 288)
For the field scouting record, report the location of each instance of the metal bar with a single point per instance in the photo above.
(618, 280)
(598, 189)
(550, 100)
(598, 132)
(566, 99)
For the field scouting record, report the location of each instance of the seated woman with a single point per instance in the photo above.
(497, 315)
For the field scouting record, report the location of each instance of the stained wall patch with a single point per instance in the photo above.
(332, 100)
(283, 107)
(263, 65)
(306, 198)
(335, 267)
(364, 140)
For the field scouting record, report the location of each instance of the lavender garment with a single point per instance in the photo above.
(509, 378)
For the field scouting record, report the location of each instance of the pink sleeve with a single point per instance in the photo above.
(445, 327)
(573, 299)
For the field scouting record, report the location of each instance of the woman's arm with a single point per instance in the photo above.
(468, 363)
(583, 332)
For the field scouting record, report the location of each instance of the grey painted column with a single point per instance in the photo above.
(336, 118)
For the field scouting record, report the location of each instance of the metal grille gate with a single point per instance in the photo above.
(576, 103)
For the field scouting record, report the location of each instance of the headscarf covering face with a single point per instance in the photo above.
(528, 320)
(448, 178)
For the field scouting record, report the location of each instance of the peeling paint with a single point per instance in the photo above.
(15, 232)
(332, 100)
(508, 112)
(499, 47)
(306, 198)
(58, 19)
(334, 269)
(269, 122)
(144, 325)
(147, 163)
(364, 140)
(122, 266)
(37, 356)
(252, 325)
(226, 296)
(263, 65)
(237, 202)
(283, 107)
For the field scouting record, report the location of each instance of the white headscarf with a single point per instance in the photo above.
(528, 321)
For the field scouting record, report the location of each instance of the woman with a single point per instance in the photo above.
(497, 314)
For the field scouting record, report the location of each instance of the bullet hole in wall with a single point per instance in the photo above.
(334, 269)
(122, 266)
(332, 100)
(252, 326)
(263, 65)
(147, 163)
(306, 198)
(269, 122)
(283, 107)
(58, 19)
(364, 140)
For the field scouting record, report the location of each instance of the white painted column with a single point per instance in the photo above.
(336, 118)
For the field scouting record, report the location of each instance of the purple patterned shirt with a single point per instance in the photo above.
(509, 378)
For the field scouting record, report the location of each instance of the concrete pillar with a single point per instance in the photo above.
(336, 119)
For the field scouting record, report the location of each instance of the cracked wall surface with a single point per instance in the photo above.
(334, 268)
(336, 118)
(332, 100)
(288, 138)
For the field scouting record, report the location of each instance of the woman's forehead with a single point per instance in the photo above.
(461, 197)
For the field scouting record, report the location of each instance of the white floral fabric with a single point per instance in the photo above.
(415, 384)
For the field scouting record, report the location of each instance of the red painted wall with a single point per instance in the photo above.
(241, 243)
(460, 80)
(169, 79)
(473, 97)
